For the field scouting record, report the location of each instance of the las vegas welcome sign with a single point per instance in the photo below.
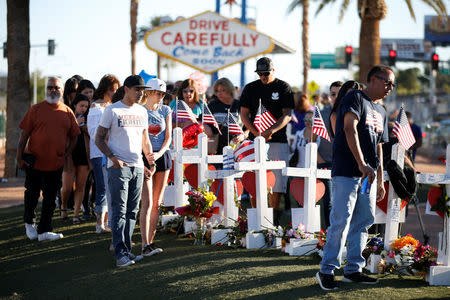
(208, 42)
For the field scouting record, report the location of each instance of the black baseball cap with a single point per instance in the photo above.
(264, 64)
(134, 80)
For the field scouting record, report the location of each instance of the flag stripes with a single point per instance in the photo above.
(319, 126)
(403, 131)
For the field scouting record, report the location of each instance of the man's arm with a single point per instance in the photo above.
(100, 142)
(24, 136)
(279, 124)
(351, 135)
(245, 112)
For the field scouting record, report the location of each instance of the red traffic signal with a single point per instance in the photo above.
(349, 49)
(435, 61)
(392, 57)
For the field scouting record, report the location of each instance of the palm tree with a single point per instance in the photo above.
(305, 39)
(371, 13)
(133, 21)
(155, 22)
(18, 98)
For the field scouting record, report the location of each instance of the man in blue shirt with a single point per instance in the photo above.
(361, 128)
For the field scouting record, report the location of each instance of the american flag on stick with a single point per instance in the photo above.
(402, 130)
(318, 125)
(208, 117)
(233, 126)
(263, 119)
(184, 112)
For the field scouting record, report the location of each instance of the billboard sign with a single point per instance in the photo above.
(208, 42)
(407, 49)
(437, 30)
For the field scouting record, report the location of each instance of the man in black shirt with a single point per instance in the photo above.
(277, 97)
(361, 128)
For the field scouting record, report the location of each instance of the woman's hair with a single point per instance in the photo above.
(226, 85)
(85, 84)
(69, 87)
(349, 85)
(188, 83)
(78, 98)
(118, 95)
(105, 84)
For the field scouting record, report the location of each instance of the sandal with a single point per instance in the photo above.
(76, 220)
(63, 214)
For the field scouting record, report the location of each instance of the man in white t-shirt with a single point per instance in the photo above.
(127, 125)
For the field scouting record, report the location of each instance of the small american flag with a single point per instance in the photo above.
(402, 130)
(233, 126)
(183, 111)
(208, 117)
(318, 125)
(263, 119)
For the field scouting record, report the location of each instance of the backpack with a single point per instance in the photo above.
(403, 181)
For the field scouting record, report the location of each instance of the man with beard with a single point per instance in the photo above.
(126, 123)
(49, 131)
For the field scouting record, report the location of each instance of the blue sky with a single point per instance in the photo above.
(93, 36)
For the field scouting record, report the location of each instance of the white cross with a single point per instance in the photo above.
(310, 173)
(260, 166)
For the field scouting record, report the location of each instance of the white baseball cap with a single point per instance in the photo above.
(156, 84)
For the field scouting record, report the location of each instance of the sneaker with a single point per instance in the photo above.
(358, 277)
(31, 231)
(151, 249)
(136, 258)
(124, 261)
(100, 229)
(51, 236)
(326, 281)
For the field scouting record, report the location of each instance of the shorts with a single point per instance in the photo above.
(279, 151)
(163, 163)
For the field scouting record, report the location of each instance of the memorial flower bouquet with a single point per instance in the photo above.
(200, 207)
(200, 204)
(375, 245)
(407, 256)
(299, 233)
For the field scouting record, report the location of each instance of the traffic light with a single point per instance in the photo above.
(392, 57)
(348, 54)
(5, 51)
(51, 47)
(434, 61)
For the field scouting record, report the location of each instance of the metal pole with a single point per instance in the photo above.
(244, 21)
(215, 75)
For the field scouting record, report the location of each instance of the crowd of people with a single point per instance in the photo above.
(122, 136)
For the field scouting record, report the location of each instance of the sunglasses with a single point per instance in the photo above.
(188, 91)
(51, 87)
(386, 82)
(308, 120)
(263, 73)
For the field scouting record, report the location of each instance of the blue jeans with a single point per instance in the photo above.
(352, 213)
(100, 188)
(125, 185)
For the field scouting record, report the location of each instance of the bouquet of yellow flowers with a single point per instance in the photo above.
(200, 204)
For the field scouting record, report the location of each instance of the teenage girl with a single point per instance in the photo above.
(77, 166)
(160, 133)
